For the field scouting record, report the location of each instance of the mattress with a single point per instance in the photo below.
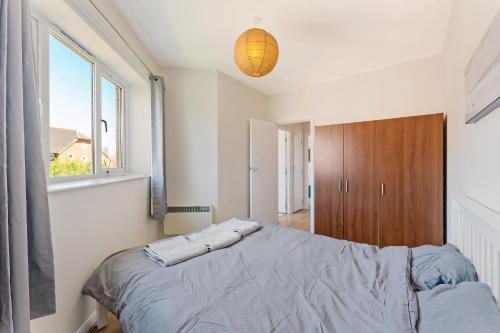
(274, 280)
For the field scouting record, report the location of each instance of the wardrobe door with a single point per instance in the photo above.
(360, 186)
(410, 163)
(328, 198)
(390, 152)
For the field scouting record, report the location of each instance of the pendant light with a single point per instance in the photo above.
(256, 51)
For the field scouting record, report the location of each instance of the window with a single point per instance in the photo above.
(111, 96)
(71, 107)
(85, 115)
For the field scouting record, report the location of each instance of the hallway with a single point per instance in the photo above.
(298, 220)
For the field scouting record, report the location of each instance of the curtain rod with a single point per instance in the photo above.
(121, 37)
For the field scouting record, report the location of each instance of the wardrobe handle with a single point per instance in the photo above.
(382, 188)
(340, 185)
(346, 186)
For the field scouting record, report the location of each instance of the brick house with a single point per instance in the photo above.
(69, 144)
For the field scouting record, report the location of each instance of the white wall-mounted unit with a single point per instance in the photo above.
(482, 76)
(183, 219)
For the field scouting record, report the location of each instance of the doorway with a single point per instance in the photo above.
(295, 172)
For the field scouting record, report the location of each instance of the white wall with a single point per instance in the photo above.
(191, 136)
(308, 172)
(237, 103)
(408, 89)
(282, 171)
(473, 150)
(138, 121)
(207, 146)
(87, 226)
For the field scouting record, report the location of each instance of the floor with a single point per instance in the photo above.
(113, 326)
(298, 220)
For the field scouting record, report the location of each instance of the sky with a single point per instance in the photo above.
(70, 80)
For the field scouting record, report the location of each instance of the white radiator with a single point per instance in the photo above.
(478, 238)
(183, 219)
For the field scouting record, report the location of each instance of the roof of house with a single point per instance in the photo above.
(62, 138)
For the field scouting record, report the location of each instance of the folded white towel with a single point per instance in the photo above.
(242, 227)
(215, 237)
(171, 251)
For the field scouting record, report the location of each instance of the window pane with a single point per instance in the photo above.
(70, 80)
(110, 124)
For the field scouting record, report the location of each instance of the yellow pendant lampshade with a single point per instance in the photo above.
(256, 52)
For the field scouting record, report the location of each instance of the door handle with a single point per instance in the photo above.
(382, 189)
(346, 187)
(340, 185)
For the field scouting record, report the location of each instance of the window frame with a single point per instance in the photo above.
(101, 72)
(44, 30)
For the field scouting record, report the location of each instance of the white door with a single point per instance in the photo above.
(298, 172)
(282, 171)
(308, 173)
(263, 166)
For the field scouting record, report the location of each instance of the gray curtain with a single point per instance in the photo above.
(26, 261)
(158, 191)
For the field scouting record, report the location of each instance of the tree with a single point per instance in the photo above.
(68, 168)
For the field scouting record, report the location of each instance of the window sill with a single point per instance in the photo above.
(84, 183)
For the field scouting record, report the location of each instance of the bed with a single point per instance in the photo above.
(275, 280)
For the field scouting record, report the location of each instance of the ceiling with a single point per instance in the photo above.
(319, 40)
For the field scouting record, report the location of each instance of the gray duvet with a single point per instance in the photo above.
(275, 280)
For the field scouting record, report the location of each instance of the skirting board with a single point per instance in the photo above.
(97, 318)
(87, 325)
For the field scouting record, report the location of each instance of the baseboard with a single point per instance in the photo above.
(87, 325)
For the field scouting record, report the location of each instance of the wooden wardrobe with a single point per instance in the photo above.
(381, 182)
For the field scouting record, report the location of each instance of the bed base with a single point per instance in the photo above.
(475, 230)
(101, 319)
